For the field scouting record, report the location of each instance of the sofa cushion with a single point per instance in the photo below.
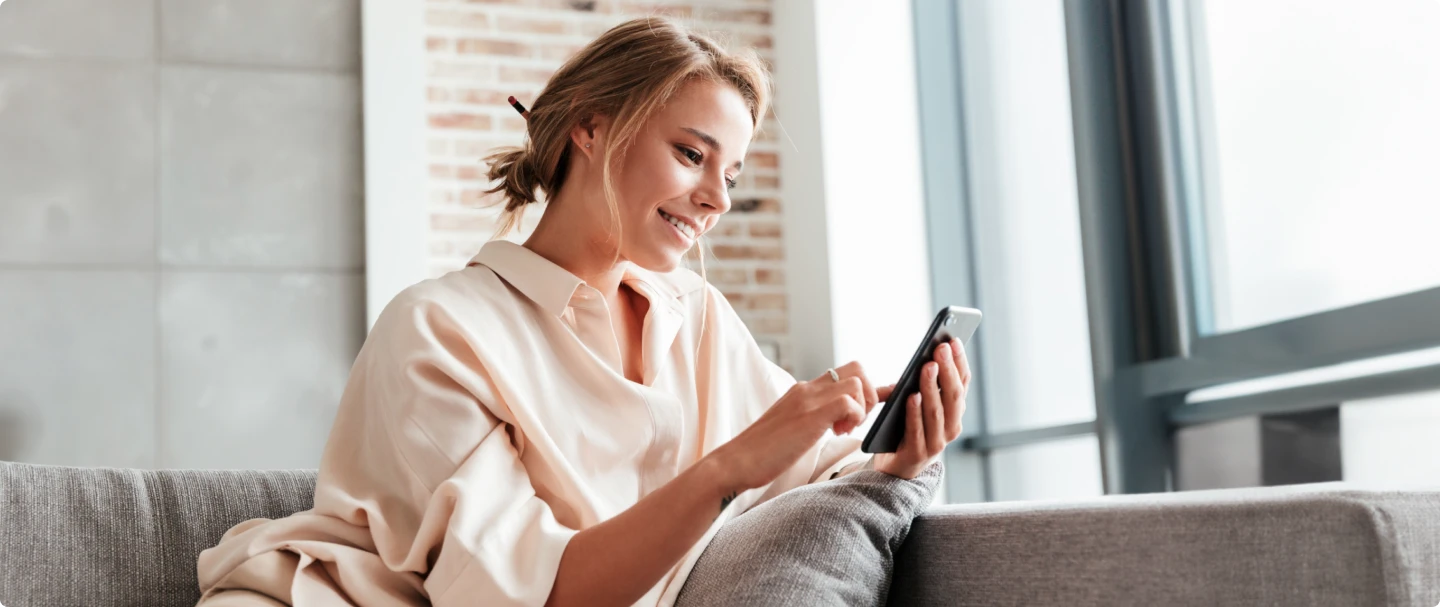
(1325, 544)
(830, 543)
(98, 536)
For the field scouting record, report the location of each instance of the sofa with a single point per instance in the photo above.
(100, 537)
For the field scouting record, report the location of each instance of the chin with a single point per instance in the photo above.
(660, 261)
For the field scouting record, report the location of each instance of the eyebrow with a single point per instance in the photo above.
(710, 141)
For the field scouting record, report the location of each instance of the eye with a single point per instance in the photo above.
(729, 183)
(694, 156)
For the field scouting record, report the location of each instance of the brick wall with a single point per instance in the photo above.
(478, 53)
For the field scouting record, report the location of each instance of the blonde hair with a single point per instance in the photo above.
(626, 74)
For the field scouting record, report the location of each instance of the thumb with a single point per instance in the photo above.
(883, 392)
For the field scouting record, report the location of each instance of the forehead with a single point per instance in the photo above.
(715, 108)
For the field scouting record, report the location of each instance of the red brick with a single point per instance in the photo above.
(771, 325)
(765, 229)
(514, 124)
(460, 120)
(460, 19)
(441, 171)
(727, 251)
(758, 17)
(480, 97)
(726, 229)
(757, 205)
(767, 182)
(486, 46)
(470, 172)
(533, 26)
(765, 301)
(437, 43)
(756, 41)
(437, 94)
(727, 276)
(763, 160)
(769, 276)
(637, 10)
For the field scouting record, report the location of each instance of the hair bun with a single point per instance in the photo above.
(514, 176)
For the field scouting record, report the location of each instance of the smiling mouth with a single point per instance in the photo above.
(684, 228)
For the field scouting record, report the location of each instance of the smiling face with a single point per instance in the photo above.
(675, 180)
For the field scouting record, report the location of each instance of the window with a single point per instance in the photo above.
(1318, 141)
(1179, 216)
(1001, 195)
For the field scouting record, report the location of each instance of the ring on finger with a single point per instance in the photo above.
(833, 375)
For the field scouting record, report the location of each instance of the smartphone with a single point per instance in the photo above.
(953, 322)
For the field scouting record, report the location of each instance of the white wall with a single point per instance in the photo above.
(393, 38)
(851, 175)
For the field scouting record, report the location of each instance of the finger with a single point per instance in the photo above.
(953, 392)
(853, 369)
(854, 388)
(882, 394)
(914, 440)
(933, 409)
(962, 362)
(852, 415)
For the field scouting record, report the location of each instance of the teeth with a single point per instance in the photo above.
(684, 227)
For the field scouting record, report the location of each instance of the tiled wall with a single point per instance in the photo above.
(481, 53)
(181, 242)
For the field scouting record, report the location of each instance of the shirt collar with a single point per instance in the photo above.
(551, 287)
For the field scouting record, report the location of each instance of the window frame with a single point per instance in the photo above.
(1140, 119)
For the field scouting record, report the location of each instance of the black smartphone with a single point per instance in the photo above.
(953, 322)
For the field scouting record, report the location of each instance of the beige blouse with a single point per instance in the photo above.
(487, 420)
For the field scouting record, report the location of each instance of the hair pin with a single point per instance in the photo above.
(515, 103)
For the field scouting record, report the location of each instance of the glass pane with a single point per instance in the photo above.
(1065, 468)
(1318, 142)
(1036, 366)
(1390, 442)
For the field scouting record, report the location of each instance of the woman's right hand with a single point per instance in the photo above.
(793, 424)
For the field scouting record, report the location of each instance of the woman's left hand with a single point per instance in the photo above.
(932, 415)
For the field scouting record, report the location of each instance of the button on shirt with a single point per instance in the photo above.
(487, 420)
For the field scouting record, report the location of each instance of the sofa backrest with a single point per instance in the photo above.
(101, 536)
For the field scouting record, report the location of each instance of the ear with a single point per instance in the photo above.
(589, 134)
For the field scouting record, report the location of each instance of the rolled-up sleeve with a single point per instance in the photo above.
(463, 512)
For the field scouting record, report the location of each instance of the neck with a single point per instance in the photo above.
(571, 241)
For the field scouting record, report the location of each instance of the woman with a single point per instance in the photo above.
(569, 421)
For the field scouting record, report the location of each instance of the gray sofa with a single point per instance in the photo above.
(100, 537)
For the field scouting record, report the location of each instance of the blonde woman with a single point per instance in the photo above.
(572, 420)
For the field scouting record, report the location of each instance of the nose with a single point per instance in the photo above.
(713, 194)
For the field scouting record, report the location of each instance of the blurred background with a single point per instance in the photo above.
(1203, 232)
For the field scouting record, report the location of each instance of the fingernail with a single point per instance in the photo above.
(944, 349)
(915, 399)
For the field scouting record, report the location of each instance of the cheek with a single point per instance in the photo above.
(654, 180)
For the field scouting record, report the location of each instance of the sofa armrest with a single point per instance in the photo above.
(1323, 544)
